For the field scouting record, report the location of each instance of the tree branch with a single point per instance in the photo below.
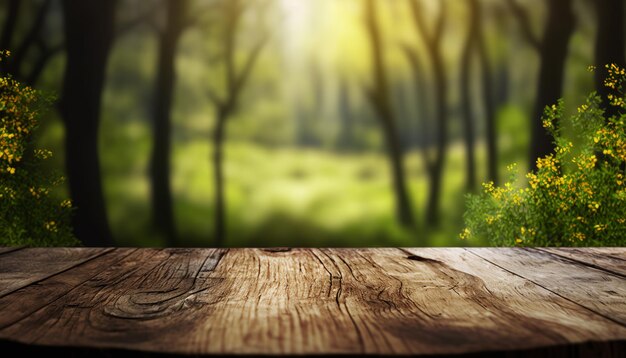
(420, 24)
(418, 71)
(12, 13)
(146, 17)
(46, 53)
(441, 22)
(242, 77)
(411, 56)
(31, 37)
(524, 21)
(217, 101)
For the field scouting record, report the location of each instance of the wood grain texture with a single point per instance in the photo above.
(596, 290)
(594, 258)
(23, 267)
(7, 249)
(143, 301)
(312, 301)
(31, 298)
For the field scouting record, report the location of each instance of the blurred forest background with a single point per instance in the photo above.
(297, 122)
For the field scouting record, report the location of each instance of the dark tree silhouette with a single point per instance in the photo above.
(552, 48)
(89, 32)
(10, 23)
(34, 40)
(161, 194)
(378, 95)
(307, 115)
(345, 140)
(473, 33)
(422, 101)
(609, 46)
(432, 40)
(236, 79)
(475, 45)
(490, 104)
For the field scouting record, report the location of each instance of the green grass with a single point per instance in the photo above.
(275, 196)
(286, 197)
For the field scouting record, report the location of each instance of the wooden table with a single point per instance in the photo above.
(293, 301)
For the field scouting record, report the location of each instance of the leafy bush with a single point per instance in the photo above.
(28, 214)
(576, 196)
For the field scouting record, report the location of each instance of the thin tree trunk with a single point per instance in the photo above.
(609, 45)
(8, 30)
(89, 30)
(45, 55)
(379, 95)
(553, 53)
(466, 95)
(432, 40)
(160, 168)
(218, 177)
(32, 36)
(441, 118)
(488, 95)
(422, 102)
(346, 130)
(236, 80)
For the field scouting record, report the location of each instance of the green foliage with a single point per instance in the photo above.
(576, 196)
(28, 214)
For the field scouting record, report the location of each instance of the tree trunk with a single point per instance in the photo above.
(488, 95)
(218, 177)
(379, 95)
(403, 201)
(433, 42)
(466, 95)
(441, 118)
(10, 22)
(609, 45)
(161, 193)
(346, 129)
(552, 52)
(422, 102)
(89, 29)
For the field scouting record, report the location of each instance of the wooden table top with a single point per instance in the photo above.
(314, 301)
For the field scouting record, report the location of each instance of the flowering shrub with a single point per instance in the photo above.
(28, 214)
(576, 196)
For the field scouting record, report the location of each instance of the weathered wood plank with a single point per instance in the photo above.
(7, 249)
(591, 258)
(255, 301)
(275, 302)
(31, 298)
(507, 306)
(143, 301)
(23, 267)
(596, 290)
(614, 252)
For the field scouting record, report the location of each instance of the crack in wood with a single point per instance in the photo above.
(561, 256)
(423, 259)
(146, 304)
(277, 249)
(309, 301)
(616, 321)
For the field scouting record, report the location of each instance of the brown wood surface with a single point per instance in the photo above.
(595, 257)
(303, 301)
(594, 289)
(9, 249)
(21, 268)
